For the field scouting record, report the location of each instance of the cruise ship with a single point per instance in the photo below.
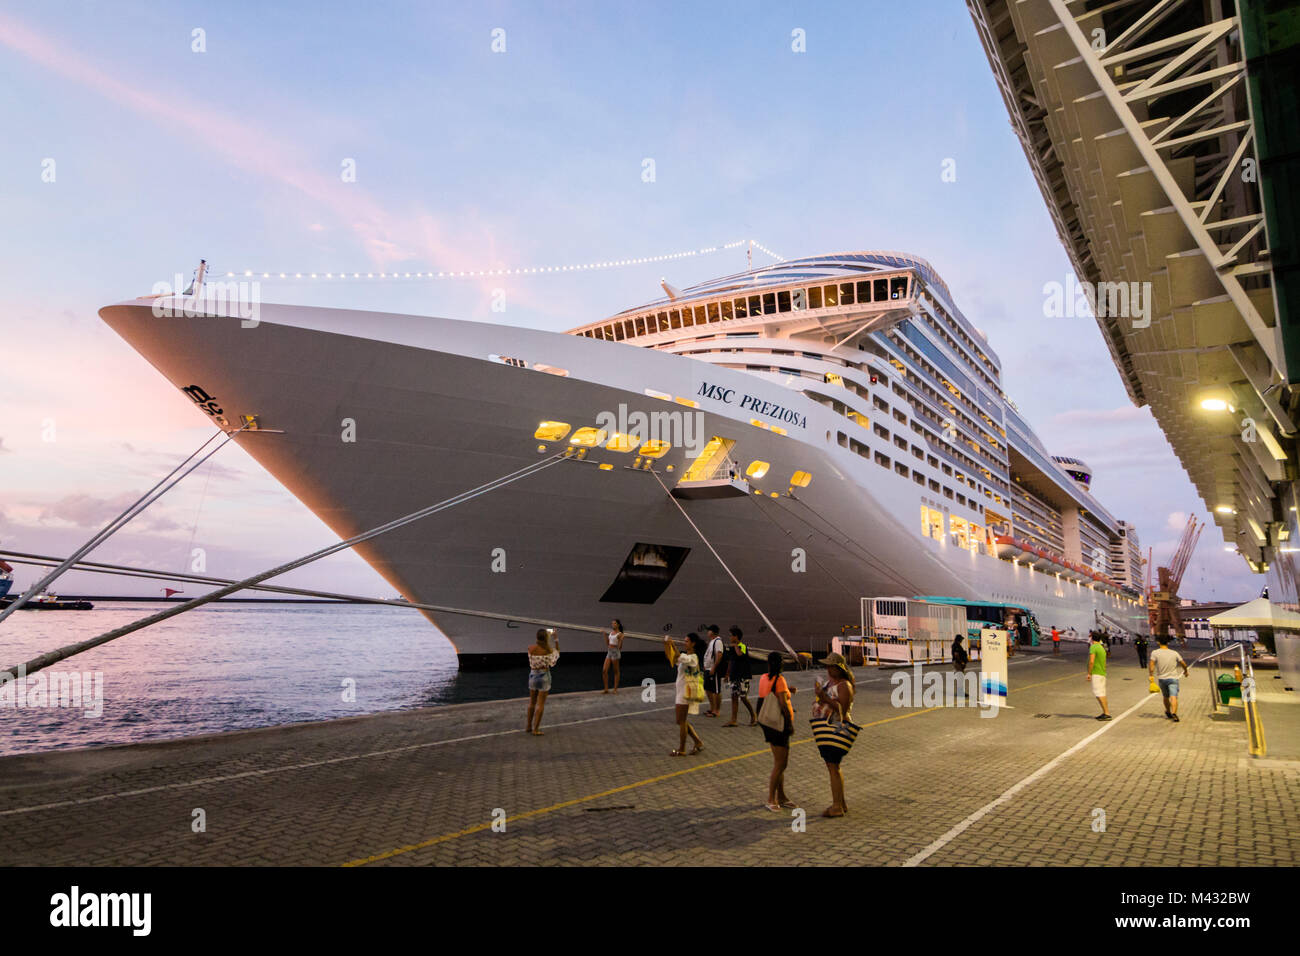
(764, 449)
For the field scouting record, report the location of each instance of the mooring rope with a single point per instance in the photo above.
(144, 501)
(45, 660)
(766, 619)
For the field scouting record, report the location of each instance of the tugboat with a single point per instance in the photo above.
(42, 602)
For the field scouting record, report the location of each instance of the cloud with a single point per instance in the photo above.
(255, 149)
(87, 511)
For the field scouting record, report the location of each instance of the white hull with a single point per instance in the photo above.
(434, 417)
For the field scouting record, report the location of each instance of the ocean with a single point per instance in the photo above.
(237, 666)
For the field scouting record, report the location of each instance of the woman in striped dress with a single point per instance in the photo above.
(833, 727)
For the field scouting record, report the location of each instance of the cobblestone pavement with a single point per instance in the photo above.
(925, 785)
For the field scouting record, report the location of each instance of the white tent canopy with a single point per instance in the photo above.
(1257, 613)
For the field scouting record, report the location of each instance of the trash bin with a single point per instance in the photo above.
(1229, 687)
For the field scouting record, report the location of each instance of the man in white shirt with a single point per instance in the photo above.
(713, 653)
(1163, 668)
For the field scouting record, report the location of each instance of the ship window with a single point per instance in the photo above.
(859, 418)
(663, 321)
(815, 297)
(932, 523)
(900, 468)
(864, 292)
(588, 437)
(551, 431)
(882, 460)
(783, 301)
(842, 439)
(755, 305)
(757, 469)
(640, 325)
(769, 303)
(618, 332)
(758, 423)
(663, 395)
(918, 478)
(960, 530)
(713, 311)
(901, 442)
(833, 378)
(917, 453)
(801, 479)
(742, 311)
(621, 442)
(832, 296)
(700, 315)
(846, 293)
(934, 485)
(898, 287)
(881, 290)
(688, 402)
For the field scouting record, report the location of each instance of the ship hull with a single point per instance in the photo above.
(366, 428)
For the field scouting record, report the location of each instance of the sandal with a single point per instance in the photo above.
(699, 748)
(773, 807)
(677, 753)
(789, 805)
(732, 724)
(827, 813)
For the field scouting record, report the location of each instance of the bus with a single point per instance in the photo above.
(982, 614)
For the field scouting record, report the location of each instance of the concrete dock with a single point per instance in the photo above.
(1043, 783)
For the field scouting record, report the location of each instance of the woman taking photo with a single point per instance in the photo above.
(541, 658)
(833, 727)
(690, 687)
(613, 651)
(773, 685)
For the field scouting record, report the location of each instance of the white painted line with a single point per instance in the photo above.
(333, 760)
(1046, 768)
(305, 766)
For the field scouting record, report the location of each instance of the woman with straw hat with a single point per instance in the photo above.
(833, 727)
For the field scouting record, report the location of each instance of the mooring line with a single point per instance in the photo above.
(104, 533)
(53, 657)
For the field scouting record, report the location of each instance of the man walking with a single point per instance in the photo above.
(712, 666)
(1164, 665)
(739, 670)
(1056, 642)
(1097, 673)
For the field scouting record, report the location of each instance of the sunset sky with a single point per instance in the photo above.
(470, 159)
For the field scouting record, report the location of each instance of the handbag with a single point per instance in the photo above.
(770, 714)
(693, 686)
(1153, 687)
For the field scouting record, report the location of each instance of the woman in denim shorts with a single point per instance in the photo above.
(541, 658)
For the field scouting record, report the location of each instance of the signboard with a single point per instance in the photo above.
(993, 667)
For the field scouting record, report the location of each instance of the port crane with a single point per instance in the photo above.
(1163, 602)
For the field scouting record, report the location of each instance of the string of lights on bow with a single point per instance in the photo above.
(529, 270)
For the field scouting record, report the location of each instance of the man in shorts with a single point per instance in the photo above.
(713, 670)
(737, 663)
(1163, 667)
(1097, 673)
(1056, 642)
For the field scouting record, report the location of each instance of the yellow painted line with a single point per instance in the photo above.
(480, 827)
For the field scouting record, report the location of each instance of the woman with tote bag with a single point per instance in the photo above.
(776, 717)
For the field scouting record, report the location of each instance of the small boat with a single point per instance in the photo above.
(48, 602)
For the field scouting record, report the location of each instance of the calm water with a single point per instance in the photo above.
(231, 667)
